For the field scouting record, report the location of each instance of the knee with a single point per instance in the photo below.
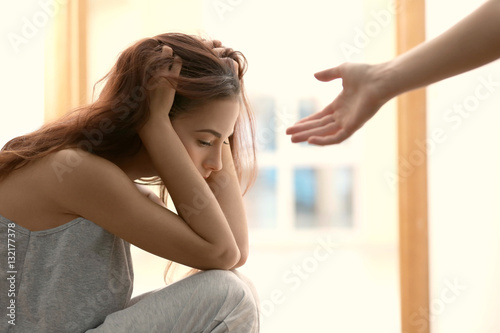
(234, 284)
(240, 292)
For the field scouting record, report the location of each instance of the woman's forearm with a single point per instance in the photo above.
(472, 42)
(226, 188)
(194, 200)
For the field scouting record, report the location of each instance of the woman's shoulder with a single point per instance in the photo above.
(77, 165)
(79, 182)
(40, 194)
(77, 174)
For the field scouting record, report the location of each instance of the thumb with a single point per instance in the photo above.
(328, 74)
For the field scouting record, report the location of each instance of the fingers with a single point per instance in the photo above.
(174, 69)
(317, 115)
(318, 129)
(167, 51)
(164, 83)
(216, 46)
(211, 44)
(328, 74)
(221, 51)
(340, 136)
(328, 110)
(321, 136)
(304, 126)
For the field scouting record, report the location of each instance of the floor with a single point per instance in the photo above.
(311, 288)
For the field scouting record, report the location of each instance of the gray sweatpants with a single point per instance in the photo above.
(209, 301)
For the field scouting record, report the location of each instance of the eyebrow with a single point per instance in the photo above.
(213, 132)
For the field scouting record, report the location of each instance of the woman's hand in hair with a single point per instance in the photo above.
(163, 90)
(222, 51)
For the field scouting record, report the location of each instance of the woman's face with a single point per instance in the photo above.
(204, 130)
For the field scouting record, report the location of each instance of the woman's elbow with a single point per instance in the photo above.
(226, 259)
(242, 259)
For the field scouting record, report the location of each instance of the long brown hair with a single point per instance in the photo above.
(108, 127)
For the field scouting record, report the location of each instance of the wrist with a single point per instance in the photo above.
(155, 125)
(385, 83)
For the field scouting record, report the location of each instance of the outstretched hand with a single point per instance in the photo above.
(358, 101)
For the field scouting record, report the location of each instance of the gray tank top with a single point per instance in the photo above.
(65, 279)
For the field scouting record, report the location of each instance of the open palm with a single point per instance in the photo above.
(356, 103)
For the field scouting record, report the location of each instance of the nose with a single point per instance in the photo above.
(213, 161)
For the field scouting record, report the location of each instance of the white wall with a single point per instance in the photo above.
(355, 289)
(464, 190)
(285, 44)
(464, 182)
(23, 25)
(116, 24)
(113, 26)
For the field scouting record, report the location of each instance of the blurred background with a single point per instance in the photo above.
(324, 221)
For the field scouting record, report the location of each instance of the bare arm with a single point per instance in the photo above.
(473, 42)
(100, 191)
(226, 187)
(195, 202)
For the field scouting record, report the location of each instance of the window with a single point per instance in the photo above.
(323, 197)
(261, 201)
(297, 190)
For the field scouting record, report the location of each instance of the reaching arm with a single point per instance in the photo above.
(473, 42)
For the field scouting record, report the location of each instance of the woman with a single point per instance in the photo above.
(173, 111)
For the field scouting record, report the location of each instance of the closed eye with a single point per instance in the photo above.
(228, 139)
(205, 143)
